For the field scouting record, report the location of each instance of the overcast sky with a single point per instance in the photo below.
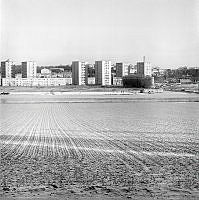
(59, 31)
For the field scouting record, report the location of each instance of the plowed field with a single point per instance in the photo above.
(129, 149)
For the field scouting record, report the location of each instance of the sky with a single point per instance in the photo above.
(53, 32)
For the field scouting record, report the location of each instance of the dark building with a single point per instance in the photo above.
(7, 69)
(138, 81)
(29, 69)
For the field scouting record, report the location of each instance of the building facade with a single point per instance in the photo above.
(29, 82)
(103, 73)
(144, 69)
(117, 81)
(132, 69)
(122, 69)
(91, 80)
(7, 69)
(134, 81)
(29, 69)
(79, 73)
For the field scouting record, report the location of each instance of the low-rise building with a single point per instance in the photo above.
(185, 81)
(91, 81)
(36, 81)
(117, 81)
(46, 73)
(19, 75)
(57, 73)
(135, 81)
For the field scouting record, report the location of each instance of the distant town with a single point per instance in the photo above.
(102, 73)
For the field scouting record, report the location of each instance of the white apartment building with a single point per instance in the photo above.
(122, 69)
(7, 69)
(79, 73)
(144, 69)
(103, 72)
(29, 69)
(28, 82)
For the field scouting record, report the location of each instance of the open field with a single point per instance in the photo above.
(53, 147)
(95, 88)
(67, 88)
(96, 96)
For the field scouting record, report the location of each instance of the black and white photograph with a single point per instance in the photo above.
(99, 99)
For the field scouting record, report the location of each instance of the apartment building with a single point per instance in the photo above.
(79, 73)
(122, 69)
(144, 69)
(7, 69)
(103, 72)
(29, 69)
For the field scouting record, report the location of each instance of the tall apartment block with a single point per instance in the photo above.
(29, 69)
(7, 69)
(103, 72)
(79, 73)
(144, 69)
(122, 69)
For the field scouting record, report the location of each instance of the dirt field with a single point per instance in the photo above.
(67, 88)
(118, 150)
